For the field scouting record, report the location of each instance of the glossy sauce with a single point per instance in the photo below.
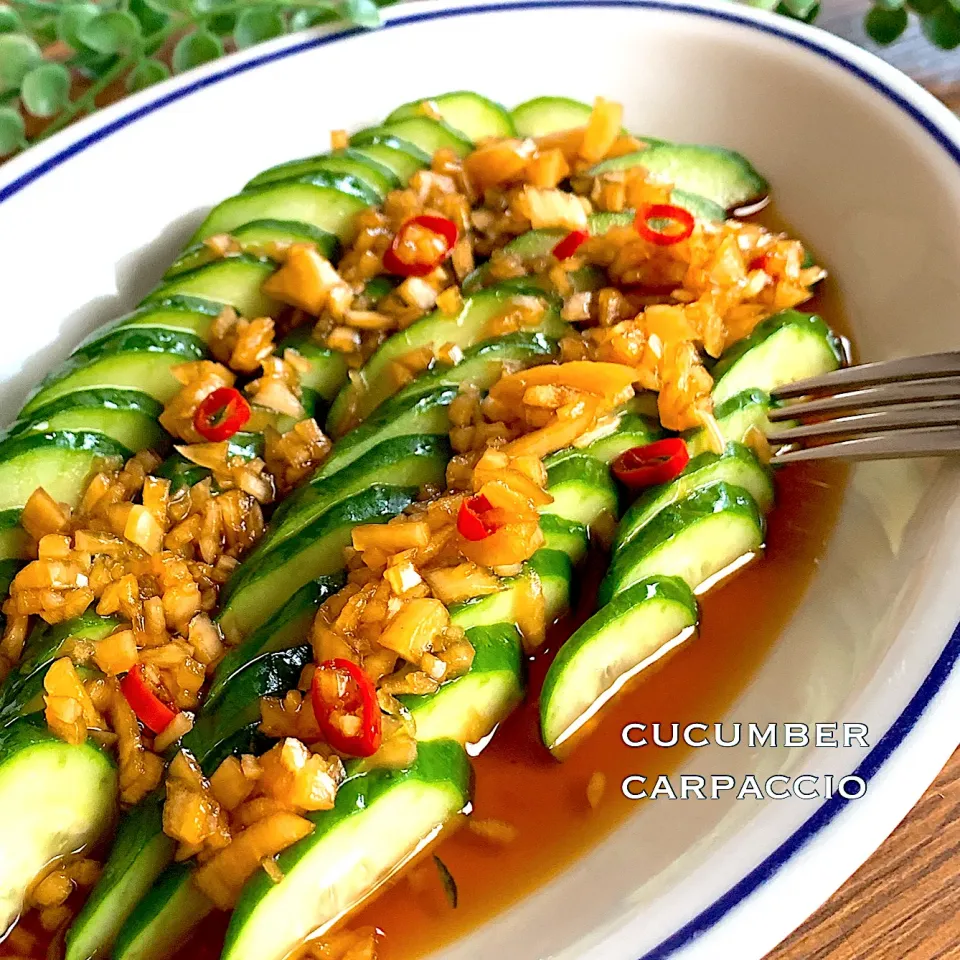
(517, 780)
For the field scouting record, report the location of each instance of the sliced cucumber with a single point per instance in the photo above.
(191, 315)
(164, 919)
(14, 544)
(734, 417)
(626, 430)
(328, 202)
(582, 489)
(630, 633)
(259, 231)
(55, 799)
(234, 281)
(315, 552)
(474, 116)
(327, 370)
(139, 853)
(783, 348)
(408, 461)
(567, 536)
(696, 539)
(128, 417)
(131, 358)
(381, 820)
(721, 176)
(738, 466)
(545, 115)
(378, 178)
(403, 162)
(61, 462)
(703, 208)
(379, 137)
(424, 133)
(185, 473)
(469, 708)
(373, 383)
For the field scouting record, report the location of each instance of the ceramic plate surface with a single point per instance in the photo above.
(864, 164)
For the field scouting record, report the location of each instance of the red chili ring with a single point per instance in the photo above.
(444, 228)
(569, 245)
(221, 414)
(471, 523)
(359, 699)
(651, 464)
(664, 211)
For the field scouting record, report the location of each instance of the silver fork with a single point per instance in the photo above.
(872, 411)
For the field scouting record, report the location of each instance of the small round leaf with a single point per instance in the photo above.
(171, 6)
(10, 21)
(885, 26)
(46, 89)
(257, 24)
(942, 27)
(364, 13)
(11, 131)
(150, 20)
(18, 56)
(923, 7)
(194, 49)
(114, 31)
(71, 19)
(314, 16)
(146, 74)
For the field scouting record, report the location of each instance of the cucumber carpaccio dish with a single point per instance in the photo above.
(285, 549)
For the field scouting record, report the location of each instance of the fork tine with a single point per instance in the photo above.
(937, 413)
(878, 396)
(885, 371)
(894, 444)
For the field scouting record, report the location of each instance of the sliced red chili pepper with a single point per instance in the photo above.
(346, 707)
(396, 259)
(569, 245)
(681, 220)
(651, 464)
(221, 414)
(471, 520)
(152, 712)
(760, 263)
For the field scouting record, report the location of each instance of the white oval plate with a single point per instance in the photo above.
(863, 163)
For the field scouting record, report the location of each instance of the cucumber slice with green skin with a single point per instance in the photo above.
(315, 552)
(381, 821)
(113, 400)
(424, 133)
(378, 178)
(139, 853)
(57, 799)
(231, 281)
(135, 358)
(474, 116)
(545, 115)
(43, 646)
(786, 347)
(373, 383)
(628, 430)
(703, 208)
(696, 539)
(567, 536)
(555, 572)
(327, 370)
(259, 231)
(737, 466)
(163, 920)
(133, 428)
(734, 417)
(323, 201)
(379, 137)
(287, 628)
(184, 473)
(469, 708)
(631, 632)
(14, 542)
(582, 489)
(721, 176)
(192, 315)
(403, 163)
(410, 461)
(60, 462)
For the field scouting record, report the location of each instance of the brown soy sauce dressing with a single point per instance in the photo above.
(517, 780)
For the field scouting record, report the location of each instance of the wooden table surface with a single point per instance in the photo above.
(903, 903)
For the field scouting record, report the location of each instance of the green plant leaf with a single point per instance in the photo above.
(18, 56)
(10, 21)
(942, 27)
(364, 13)
(114, 31)
(307, 17)
(885, 26)
(890, 4)
(762, 4)
(194, 49)
(800, 9)
(92, 64)
(71, 19)
(150, 20)
(46, 89)
(923, 7)
(146, 74)
(257, 24)
(11, 131)
(172, 6)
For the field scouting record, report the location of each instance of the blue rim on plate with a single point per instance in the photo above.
(945, 663)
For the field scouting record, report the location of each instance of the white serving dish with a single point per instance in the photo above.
(864, 164)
